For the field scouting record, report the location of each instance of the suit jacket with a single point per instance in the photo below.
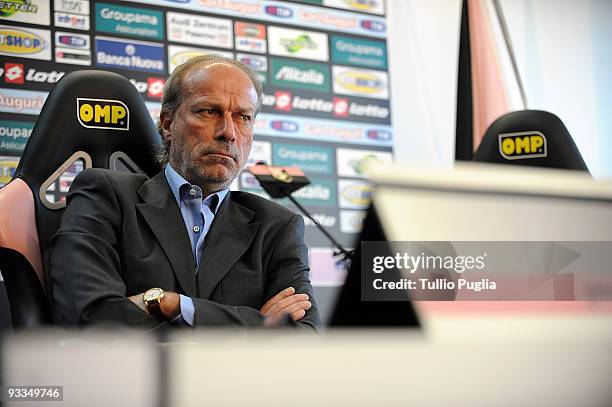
(122, 234)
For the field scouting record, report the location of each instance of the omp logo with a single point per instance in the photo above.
(362, 82)
(279, 11)
(285, 126)
(357, 194)
(376, 26)
(295, 45)
(13, 73)
(380, 135)
(12, 7)
(19, 42)
(103, 114)
(526, 144)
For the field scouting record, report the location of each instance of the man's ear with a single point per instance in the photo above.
(165, 119)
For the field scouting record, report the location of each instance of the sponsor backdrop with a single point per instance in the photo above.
(323, 64)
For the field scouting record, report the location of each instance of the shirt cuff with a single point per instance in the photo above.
(187, 309)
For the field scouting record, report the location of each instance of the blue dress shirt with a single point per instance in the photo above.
(198, 214)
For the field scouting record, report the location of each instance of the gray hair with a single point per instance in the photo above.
(174, 94)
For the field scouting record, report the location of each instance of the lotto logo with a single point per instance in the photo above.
(341, 107)
(283, 101)
(155, 88)
(13, 73)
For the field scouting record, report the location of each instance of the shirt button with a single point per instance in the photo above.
(196, 229)
(192, 192)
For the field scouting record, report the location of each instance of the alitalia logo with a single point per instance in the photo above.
(301, 75)
(293, 74)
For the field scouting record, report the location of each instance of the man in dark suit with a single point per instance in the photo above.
(180, 248)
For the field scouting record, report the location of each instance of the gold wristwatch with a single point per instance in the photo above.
(152, 299)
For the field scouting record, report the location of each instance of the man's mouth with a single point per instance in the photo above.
(226, 155)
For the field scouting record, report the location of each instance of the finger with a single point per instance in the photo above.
(283, 294)
(302, 305)
(284, 303)
(297, 315)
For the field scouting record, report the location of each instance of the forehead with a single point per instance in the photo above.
(220, 80)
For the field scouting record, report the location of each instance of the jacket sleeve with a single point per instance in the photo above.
(85, 263)
(288, 267)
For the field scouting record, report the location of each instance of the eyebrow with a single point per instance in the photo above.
(217, 105)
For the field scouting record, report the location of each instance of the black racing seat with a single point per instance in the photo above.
(90, 119)
(530, 137)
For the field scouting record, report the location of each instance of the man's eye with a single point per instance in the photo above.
(245, 117)
(208, 112)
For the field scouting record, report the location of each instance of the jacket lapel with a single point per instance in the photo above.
(163, 216)
(229, 237)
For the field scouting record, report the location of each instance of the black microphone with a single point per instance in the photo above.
(281, 182)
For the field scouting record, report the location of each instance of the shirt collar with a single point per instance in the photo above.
(176, 181)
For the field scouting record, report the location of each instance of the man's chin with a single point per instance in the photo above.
(221, 179)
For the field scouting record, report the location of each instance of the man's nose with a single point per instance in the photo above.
(225, 127)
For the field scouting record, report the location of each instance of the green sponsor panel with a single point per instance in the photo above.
(114, 19)
(320, 192)
(359, 52)
(286, 73)
(14, 136)
(310, 159)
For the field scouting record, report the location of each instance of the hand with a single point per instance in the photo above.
(287, 302)
(170, 304)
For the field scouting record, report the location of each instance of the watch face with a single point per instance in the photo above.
(152, 294)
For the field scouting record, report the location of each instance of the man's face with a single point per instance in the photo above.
(211, 133)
